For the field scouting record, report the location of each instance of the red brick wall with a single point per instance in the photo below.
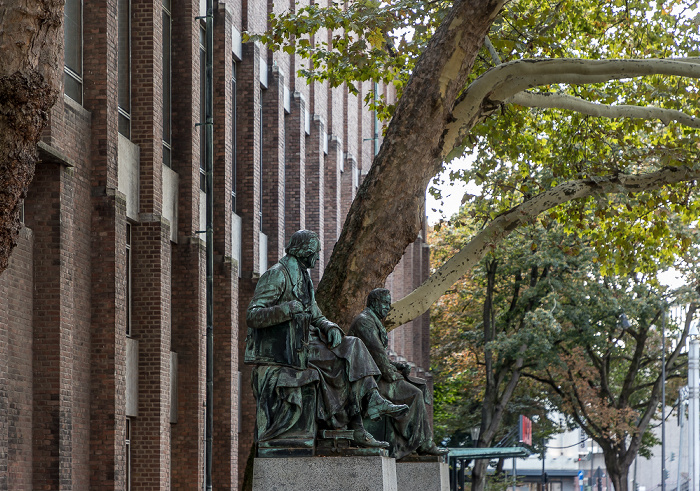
(16, 401)
(273, 161)
(248, 156)
(150, 431)
(188, 341)
(63, 300)
(295, 167)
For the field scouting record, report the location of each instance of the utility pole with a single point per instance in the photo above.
(663, 399)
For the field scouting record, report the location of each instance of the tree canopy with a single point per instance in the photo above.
(558, 101)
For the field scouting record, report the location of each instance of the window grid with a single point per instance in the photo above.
(124, 67)
(127, 445)
(234, 137)
(73, 52)
(128, 280)
(167, 84)
(202, 115)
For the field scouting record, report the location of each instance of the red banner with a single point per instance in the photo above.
(525, 427)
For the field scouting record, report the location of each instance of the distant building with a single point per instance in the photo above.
(102, 313)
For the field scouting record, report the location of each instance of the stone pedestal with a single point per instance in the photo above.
(325, 473)
(422, 476)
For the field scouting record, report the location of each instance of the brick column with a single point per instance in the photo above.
(248, 157)
(315, 189)
(108, 343)
(147, 101)
(295, 174)
(108, 339)
(348, 187)
(188, 277)
(150, 431)
(273, 156)
(53, 347)
(188, 341)
(225, 437)
(16, 371)
(246, 423)
(332, 209)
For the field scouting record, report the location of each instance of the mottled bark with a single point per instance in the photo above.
(379, 226)
(31, 47)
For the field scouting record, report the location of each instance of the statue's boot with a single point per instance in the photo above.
(377, 407)
(431, 449)
(363, 438)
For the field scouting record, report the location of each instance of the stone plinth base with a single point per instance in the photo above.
(325, 473)
(422, 476)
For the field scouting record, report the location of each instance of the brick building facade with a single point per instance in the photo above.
(102, 310)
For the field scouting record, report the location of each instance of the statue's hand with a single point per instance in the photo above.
(334, 337)
(404, 368)
(295, 307)
(391, 374)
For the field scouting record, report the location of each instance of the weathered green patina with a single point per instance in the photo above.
(308, 375)
(412, 431)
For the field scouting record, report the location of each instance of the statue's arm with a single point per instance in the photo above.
(320, 321)
(264, 309)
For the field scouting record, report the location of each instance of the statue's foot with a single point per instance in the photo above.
(431, 449)
(364, 439)
(378, 407)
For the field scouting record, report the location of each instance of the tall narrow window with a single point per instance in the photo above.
(73, 35)
(124, 67)
(202, 112)
(234, 136)
(127, 445)
(261, 162)
(167, 85)
(128, 280)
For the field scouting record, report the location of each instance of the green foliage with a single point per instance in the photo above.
(556, 306)
(529, 267)
(362, 41)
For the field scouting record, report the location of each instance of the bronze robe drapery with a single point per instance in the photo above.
(343, 375)
(412, 430)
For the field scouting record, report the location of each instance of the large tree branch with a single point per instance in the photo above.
(389, 210)
(424, 296)
(501, 83)
(571, 103)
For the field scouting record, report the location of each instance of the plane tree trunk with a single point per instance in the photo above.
(32, 51)
(411, 154)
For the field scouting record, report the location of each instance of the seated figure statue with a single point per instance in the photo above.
(411, 431)
(297, 351)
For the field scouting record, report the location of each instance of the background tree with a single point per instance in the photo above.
(539, 306)
(494, 324)
(560, 54)
(608, 375)
(31, 51)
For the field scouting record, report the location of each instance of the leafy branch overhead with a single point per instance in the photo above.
(563, 91)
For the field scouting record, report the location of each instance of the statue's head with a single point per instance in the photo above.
(379, 300)
(305, 246)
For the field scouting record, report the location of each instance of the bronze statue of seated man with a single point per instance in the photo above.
(307, 372)
(410, 432)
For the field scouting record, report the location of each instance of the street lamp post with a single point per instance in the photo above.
(693, 413)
